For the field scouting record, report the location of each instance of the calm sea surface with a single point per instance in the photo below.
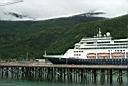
(46, 83)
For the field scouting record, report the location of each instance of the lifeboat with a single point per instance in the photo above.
(91, 55)
(118, 54)
(127, 54)
(103, 54)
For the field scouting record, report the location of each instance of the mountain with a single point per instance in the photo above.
(21, 38)
(17, 38)
(118, 27)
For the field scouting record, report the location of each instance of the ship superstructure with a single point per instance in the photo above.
(100, 48)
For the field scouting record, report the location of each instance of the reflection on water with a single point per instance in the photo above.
(50, 76)
(48, 83)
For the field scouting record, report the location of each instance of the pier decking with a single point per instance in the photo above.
(65, 73)
(124, 67)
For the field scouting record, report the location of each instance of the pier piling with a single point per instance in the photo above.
(65, 73)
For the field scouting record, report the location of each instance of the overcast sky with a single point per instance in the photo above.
(43, 9)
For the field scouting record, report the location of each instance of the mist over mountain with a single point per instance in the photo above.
(48, 9)
(22, 17)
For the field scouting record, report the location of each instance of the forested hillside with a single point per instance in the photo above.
(17, 38)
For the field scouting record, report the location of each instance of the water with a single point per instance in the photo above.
(70, 77)
(48, 83)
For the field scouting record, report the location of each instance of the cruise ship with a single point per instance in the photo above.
(98, 50)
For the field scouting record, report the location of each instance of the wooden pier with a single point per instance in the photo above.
(65, 73)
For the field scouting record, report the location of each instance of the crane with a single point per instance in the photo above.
(8, 2)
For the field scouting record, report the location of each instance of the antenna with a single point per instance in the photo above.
(99, 30)
(9, 2)
(99, 33)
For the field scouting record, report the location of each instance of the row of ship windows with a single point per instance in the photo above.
(103, 48)
(77, 54)
(119, 50)
(83, 41)
(97, 42)
(119, 41)
(105, 42)
(93, 39)
(109, 50)
(78, 51)
(101, 60)
(112, 45)
(105, 45)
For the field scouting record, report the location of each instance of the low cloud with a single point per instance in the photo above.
(43, 9)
